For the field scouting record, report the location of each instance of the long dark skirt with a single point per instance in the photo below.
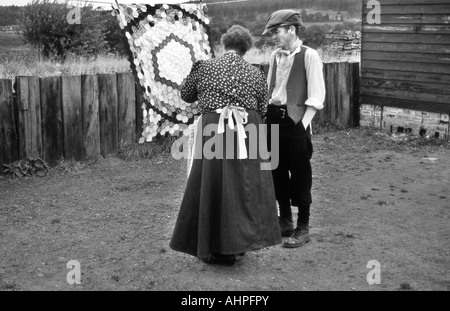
(229, 205)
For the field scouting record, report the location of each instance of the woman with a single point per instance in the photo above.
(229, 204)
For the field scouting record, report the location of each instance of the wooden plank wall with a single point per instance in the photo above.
(8, 130)
(405, 60)
(74, 117)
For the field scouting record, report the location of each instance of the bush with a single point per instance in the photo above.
(44, 24)
(315, 36)
(28, 167)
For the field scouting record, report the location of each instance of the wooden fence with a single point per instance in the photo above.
(74, 117)
(78, 117)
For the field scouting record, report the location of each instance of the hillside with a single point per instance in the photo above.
(319, 17)
(9, 15)
(236, 10)
(11, 41)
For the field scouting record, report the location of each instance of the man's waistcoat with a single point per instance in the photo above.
(296, 87)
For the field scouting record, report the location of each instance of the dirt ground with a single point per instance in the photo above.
(376, 197)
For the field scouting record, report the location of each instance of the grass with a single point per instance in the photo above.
(18, 59)
(27, 63)
(367, 139)
(136, 152)
(7, 285)
(11, 41)
(73, 166)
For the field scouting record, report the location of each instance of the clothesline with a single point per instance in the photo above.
(192, 2)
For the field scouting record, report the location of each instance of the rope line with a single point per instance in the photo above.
(191, 2)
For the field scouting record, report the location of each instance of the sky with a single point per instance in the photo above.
(25, 2)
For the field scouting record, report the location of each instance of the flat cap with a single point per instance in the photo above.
(281, 18)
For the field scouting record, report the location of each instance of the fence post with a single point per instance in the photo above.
(355, 83)
(332, 89)
(109, 135)
(72, 117)
(8, 133)
(139, 114)
(91, 122)
(29, 117)
(52, 121)
(127, 110)
(344, 94)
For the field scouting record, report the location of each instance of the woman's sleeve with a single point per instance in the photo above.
(189, 92)
(262, 94)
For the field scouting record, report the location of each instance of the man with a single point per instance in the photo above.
(296, 93)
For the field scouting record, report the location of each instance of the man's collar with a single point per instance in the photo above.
(295, 48)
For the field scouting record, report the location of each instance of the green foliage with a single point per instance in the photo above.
(114, 36)
(315, 36)
(27, 63)
(315, 17)
(347, 26)
(45, 26)
(29, 167)
(10, 15)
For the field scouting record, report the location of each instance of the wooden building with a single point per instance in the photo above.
(405, 66)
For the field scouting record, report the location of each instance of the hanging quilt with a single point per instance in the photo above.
(165, 41)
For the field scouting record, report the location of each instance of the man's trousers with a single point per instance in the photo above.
(293, 176)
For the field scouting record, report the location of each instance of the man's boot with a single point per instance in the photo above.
(299, 237)
(286, 226)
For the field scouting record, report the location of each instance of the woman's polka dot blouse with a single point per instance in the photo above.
(227, 80)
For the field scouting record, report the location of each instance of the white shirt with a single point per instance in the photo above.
(314, 75)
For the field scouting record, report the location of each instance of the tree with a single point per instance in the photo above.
(259, 44)
(114, 36)
(240, 22)
(315, 36)
(9, 15)
(250, 17)
(257, 28)
(302, 33)
(338, 28)
(44, 25)
(218, 19)
(304, 15)
(215, 35)
(349, 26)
